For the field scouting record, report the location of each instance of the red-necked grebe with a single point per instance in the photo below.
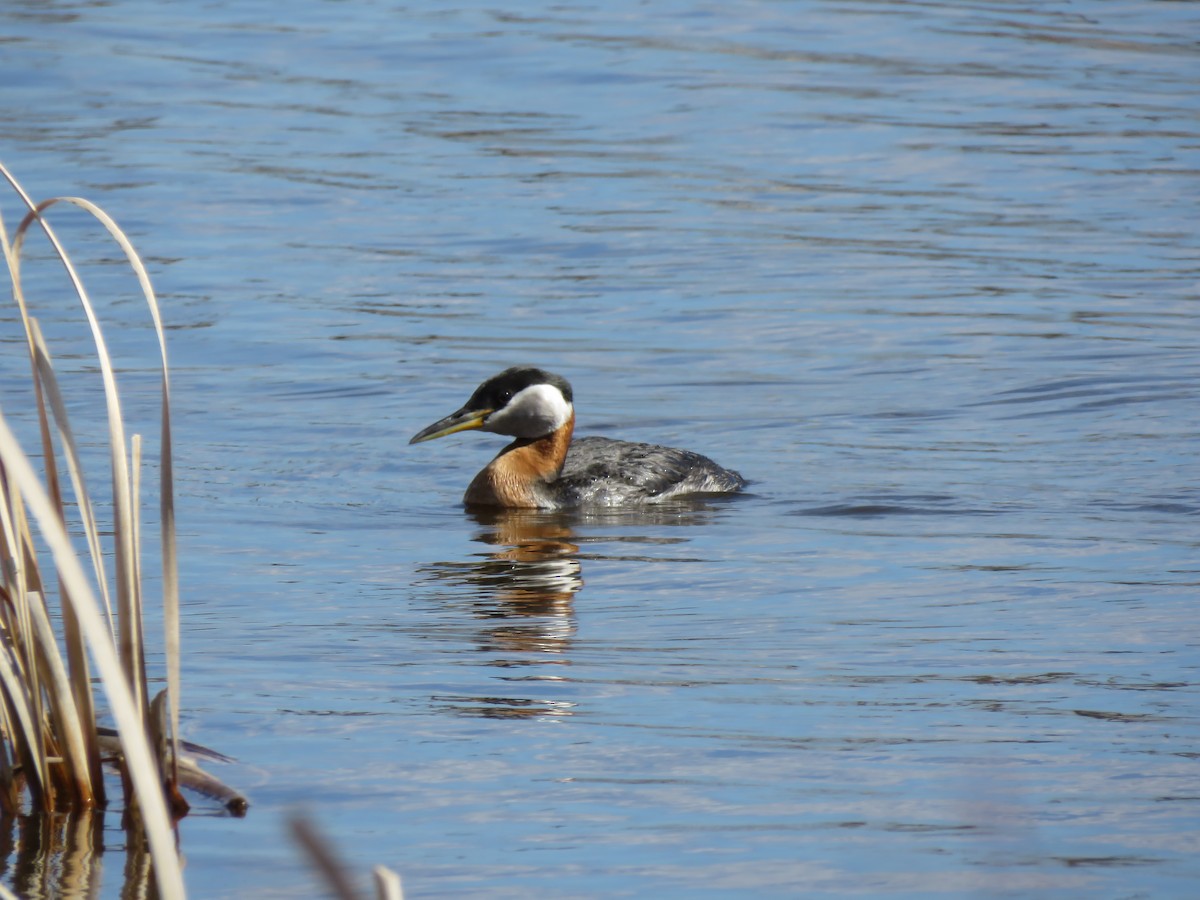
(544, 469)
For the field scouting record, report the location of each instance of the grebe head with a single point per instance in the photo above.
(522, 402)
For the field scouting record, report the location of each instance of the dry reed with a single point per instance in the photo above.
(51, 748)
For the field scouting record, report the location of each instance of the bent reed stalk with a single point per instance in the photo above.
(50, 746)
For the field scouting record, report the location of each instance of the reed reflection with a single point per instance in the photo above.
(62, 855)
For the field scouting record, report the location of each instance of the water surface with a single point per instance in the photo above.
(925, 274)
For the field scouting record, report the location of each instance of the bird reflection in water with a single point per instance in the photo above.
(534, 569)
(522, 589)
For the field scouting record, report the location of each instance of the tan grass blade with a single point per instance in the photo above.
(387, 884)
(20, 678)
(13, 265)
(322, 857)
(36, 342)
(30, 746)
(139, 761)
(321, 854)
(137, 625)
(86, 783)
(81, 684)
(122, 526)
(160, 743)
(10, 798)
(170, 564)
(48, 382)
(69, 725)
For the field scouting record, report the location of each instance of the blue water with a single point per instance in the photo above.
(925, 274)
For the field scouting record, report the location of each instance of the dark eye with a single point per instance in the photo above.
(505, 396)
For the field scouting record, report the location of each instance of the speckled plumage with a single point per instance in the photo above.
(601, 471)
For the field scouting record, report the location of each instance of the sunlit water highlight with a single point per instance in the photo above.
(925, 274)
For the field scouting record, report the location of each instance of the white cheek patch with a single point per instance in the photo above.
(536, 411)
